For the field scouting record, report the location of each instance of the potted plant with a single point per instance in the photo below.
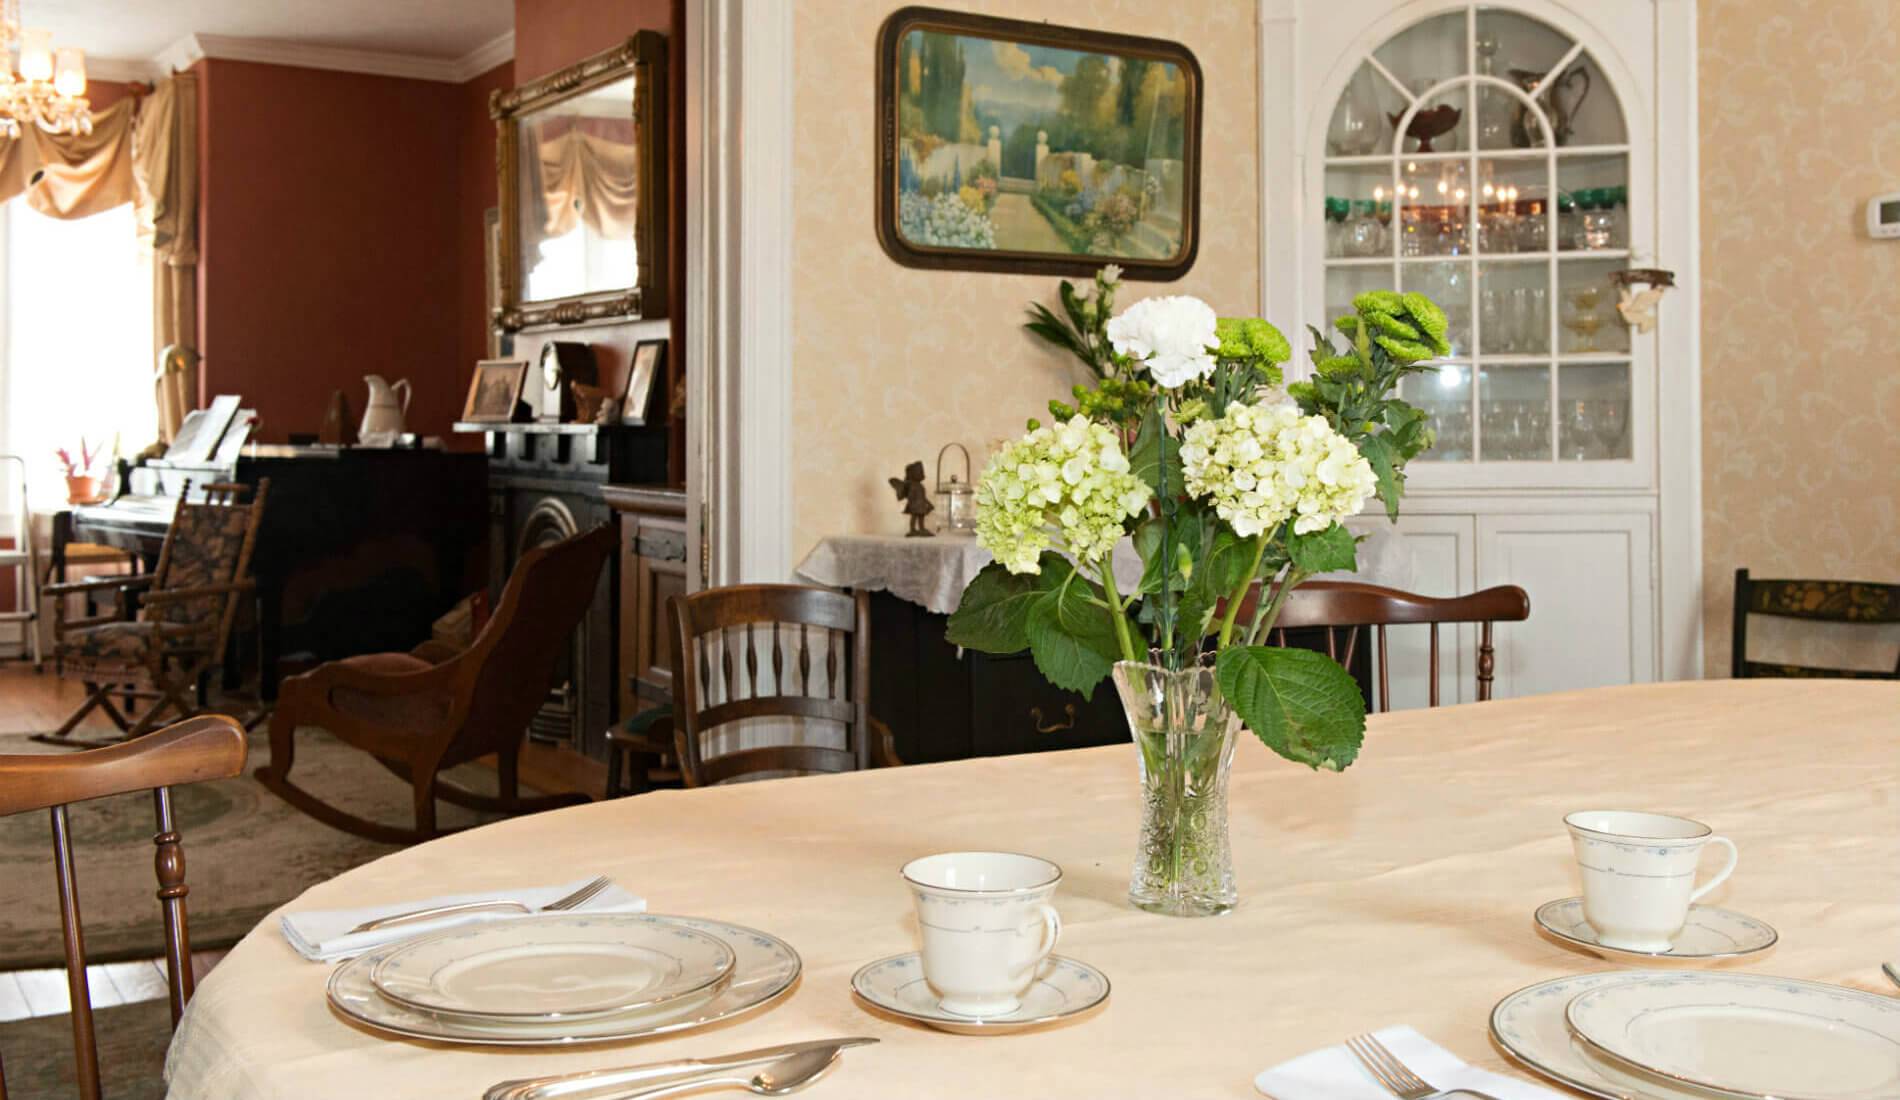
(1232, 490)
(82, 485)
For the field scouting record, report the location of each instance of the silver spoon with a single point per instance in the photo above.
(785, 1076)
(1893, 972)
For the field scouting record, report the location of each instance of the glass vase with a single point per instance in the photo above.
(1184, 735)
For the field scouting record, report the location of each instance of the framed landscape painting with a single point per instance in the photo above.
(1012, 146)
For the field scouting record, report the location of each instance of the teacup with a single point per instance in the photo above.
(987, 925)
(1639, 874)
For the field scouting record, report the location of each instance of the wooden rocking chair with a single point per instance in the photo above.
(185, 610)
(418, 717)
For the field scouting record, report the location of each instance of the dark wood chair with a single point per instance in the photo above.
(1861, 603)
(198, 749)
(772, 651)
(1334, 605)
(186, 608)
(420, 713)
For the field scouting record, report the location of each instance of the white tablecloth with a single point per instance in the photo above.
(932, 572)
(1400, 891)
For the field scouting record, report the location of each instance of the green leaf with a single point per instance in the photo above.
(1328, 551)
(1154, 447)
(1299, 703)
(1228, 561)
(1072, 304)
(1385, 467)
(1071, 638)
(993, 616)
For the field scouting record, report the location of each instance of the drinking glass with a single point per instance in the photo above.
(1530, 319)
(1610, 419)
(1494, 314)
(1579, 431)
(1362, 235)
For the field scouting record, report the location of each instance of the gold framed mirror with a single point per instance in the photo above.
(581, 160)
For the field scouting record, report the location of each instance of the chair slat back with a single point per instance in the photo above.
(1333, 605)
(1858, 603)
(722, 637)
(193, 751)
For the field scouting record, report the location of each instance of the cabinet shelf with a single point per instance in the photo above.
(1487, 257)
(1564, 152)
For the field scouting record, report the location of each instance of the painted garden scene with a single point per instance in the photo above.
(1015, 147)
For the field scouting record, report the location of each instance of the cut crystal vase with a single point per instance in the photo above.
(1184, 734)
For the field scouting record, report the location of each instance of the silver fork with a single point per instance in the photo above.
(1393, 1075)
(574, 900)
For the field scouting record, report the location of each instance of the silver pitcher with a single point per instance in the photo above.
(1525, 132)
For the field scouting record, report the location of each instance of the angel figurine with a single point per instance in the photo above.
(910, 490)
(1638, 307)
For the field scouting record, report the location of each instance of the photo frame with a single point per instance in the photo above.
(1006, 145)
(495, 391)
(647, 367)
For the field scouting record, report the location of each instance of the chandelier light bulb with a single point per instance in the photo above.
(36, 55)
(69, 72)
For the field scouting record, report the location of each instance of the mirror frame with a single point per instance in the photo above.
(644, 58)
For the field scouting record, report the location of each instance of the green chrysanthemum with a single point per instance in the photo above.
(1251, 338)
(1407, 350)
(1338, 364)
(1380, 301)
(1429, 319)
(1392, 326)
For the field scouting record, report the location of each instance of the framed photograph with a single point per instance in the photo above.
(1012, 146)
(494, 390)
(649, 356)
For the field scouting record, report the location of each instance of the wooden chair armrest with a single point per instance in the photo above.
(436, 652)
(884, 746)
(436, 679)
(95, 584)
(196, 592)
(655, 735)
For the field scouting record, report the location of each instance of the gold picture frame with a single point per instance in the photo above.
(495, 391)
(531, 108)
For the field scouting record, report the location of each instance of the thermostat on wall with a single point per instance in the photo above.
(1883, 216)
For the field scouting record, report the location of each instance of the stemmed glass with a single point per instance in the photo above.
(1579, 430)
(1611, 419)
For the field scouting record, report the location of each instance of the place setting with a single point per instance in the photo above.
(1640, 1034)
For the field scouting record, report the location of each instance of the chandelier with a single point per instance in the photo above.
(48, 89)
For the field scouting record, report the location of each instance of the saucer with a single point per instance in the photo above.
(1063, 990)
(1709, 934)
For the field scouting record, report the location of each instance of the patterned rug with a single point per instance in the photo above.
(246, 852)
(132, 1042)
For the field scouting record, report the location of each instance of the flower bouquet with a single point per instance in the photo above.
(1233, 491)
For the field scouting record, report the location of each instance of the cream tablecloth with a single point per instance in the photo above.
(1399, 891)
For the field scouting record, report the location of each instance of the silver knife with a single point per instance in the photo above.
(598, 1082)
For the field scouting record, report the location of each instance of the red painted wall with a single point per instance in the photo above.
(550, 34)
(329, 246)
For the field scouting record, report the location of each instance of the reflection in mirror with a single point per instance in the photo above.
(578, 163)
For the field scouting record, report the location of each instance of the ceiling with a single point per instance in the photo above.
(141, 30)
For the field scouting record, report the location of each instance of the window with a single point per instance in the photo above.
(75, 341)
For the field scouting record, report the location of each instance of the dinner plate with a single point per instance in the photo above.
(1748, 1035)
(1529, 1026)
(1710, 934)
(765, 968)
(552, 966)
(1063, 990)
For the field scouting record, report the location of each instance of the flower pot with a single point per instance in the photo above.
(1184, 734)
(82, 490)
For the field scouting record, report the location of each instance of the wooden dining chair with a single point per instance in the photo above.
(1861, 603)
(781, 652)
(1349, 605)
(198, 749)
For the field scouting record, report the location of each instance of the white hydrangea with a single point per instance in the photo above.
(1070, 479)
(1173, 337)
(1261, 464)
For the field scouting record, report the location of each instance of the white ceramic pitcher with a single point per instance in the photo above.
(382, 419)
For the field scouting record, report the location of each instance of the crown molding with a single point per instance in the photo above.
(192, 48)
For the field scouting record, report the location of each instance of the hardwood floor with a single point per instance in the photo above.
(25, 994)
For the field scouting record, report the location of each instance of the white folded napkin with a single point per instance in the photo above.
(1334, 1074)
(323, 935)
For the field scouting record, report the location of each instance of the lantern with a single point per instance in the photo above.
(958, 497)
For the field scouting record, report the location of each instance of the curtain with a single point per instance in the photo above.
(165, 166)
(590, 180)
(72, 175)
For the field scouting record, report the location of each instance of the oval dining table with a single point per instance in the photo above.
(1399, 891)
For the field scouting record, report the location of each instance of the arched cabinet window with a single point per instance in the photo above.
(1484, 155)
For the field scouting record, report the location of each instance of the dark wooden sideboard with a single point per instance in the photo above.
(652, 568)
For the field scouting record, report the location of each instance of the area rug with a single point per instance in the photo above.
(246, 852)
(38, 1053)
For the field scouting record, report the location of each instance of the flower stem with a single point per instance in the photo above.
(1117, 613)
(1265, 617)
(1239, 593)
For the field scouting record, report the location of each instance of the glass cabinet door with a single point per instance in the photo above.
(1481, 156)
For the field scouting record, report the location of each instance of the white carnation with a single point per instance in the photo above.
(1261, 465)
(1172, 337)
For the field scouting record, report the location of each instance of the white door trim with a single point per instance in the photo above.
(739, 318)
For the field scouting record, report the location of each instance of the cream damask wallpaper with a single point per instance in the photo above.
(1801, 311)
(890, 363)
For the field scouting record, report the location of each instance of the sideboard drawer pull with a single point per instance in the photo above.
(1035, 715)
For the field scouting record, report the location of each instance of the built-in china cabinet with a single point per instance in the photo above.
(1508, 159)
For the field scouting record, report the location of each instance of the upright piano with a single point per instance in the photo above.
(360, 549)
